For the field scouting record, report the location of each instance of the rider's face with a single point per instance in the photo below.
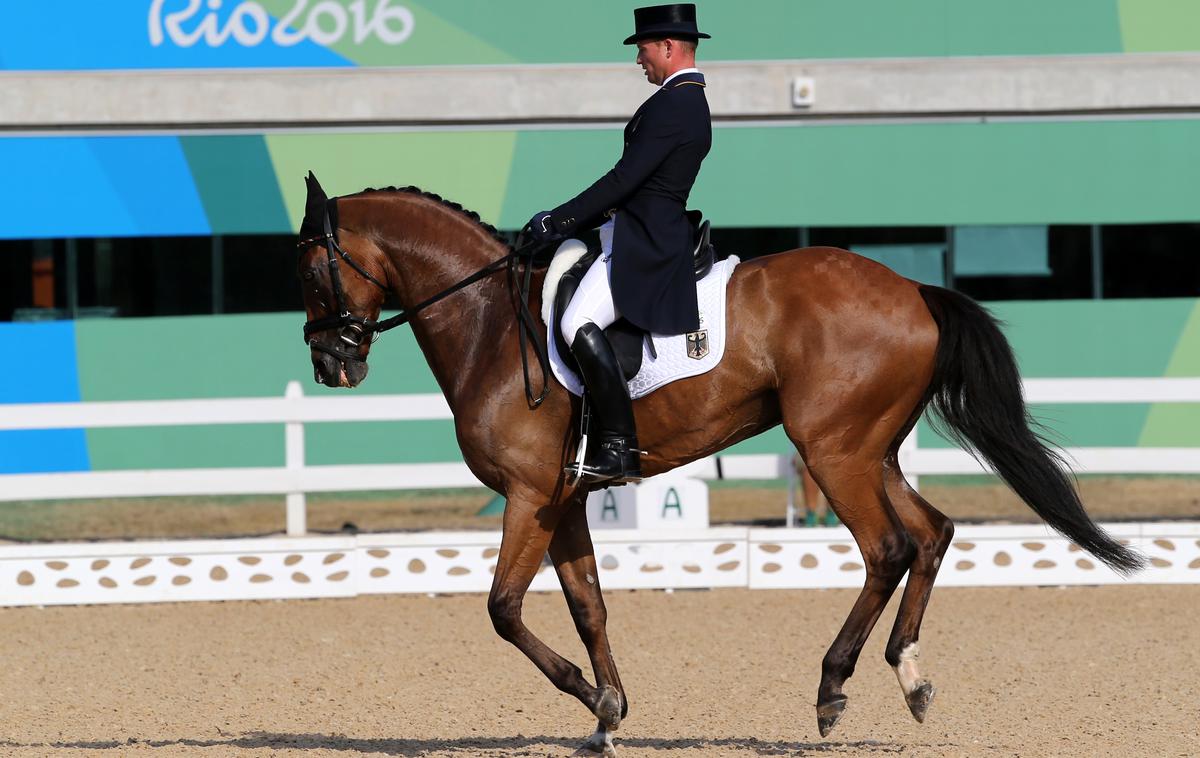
(654, 58)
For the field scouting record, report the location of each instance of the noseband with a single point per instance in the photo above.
(355, 329)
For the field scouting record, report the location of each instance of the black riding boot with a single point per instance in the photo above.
(612, 453)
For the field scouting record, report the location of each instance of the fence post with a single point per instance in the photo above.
(789, 518)
(297, 517)
(906, 455)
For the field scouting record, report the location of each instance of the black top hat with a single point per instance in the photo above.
(662, 21)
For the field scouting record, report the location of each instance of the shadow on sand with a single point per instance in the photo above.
(474, 746)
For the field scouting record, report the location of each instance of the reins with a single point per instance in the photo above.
(354, 329)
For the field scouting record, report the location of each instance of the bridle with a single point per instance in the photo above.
(355, 329)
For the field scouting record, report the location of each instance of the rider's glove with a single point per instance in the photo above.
(542, 227)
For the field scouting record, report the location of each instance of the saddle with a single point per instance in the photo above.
(625, 338)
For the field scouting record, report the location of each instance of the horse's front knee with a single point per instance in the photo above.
(505, 611)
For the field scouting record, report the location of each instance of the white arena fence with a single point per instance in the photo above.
(295, 478)
(438, 562)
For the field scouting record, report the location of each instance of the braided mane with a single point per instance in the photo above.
(472, 215)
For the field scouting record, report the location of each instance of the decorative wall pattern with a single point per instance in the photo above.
(312, 567)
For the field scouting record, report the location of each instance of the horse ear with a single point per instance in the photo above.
(314, 207)
(315, 192)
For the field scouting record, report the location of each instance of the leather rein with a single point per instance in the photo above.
(355, 329)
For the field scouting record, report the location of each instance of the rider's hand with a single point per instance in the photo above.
(542, 227)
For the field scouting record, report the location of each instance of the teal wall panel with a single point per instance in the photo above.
(932, 174)
(242, 356)
(256, 355)
(953, 173)
(236, 182)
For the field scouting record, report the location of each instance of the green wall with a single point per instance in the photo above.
(821, 175)
(246, 356)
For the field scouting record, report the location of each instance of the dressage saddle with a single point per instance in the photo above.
(625, 338)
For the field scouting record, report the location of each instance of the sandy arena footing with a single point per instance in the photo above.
(1029, 672)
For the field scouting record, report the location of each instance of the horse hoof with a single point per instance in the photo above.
(828, 714)
(600, 744)
(919, 700)
(608, 708)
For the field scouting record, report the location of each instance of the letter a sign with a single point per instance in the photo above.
(671, 500)
(609, 506)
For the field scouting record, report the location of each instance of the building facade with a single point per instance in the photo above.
(155, 151)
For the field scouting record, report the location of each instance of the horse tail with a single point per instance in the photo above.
(976, 393)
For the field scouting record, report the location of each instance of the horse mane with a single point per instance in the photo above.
(471, 215)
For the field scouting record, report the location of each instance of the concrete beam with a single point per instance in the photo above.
(844, 89)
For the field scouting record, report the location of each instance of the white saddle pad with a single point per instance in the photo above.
(679, 355)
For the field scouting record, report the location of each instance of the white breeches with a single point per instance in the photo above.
(593, 301)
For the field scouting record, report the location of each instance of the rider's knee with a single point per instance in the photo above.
(572, 321)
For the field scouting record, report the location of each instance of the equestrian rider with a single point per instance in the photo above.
(645, 273)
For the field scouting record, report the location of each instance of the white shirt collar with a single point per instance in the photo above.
(680, 71)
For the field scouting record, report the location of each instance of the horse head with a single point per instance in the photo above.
(343, 295)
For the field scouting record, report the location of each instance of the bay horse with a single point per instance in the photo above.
(842, 351)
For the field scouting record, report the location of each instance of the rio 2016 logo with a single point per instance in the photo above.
(326, 23)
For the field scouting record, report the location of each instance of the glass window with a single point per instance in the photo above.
(747, 243)
(163, 276)
(144, 276)
(16, 277)
(1161, 260)
(1001, 251)
(1069, 259)
(260, 274)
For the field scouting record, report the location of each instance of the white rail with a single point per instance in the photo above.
(916, 461)
(296, 477)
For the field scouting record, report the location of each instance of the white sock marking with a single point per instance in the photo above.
(906, 671)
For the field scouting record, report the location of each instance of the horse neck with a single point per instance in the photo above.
(432, 248)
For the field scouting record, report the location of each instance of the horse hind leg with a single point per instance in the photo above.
(854, 486)
(931, 532)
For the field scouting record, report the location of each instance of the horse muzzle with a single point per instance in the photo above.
(332, 372)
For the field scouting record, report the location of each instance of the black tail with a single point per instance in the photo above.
(976, 391)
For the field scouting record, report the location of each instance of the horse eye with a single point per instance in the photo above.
(310, 275)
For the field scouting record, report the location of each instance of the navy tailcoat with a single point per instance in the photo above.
(653, 282)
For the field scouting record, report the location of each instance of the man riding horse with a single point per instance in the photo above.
(645, 272)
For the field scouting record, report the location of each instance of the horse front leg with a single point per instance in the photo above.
(528, 528)
(575, 561)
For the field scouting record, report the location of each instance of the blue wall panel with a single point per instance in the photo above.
(84, 34)
(98, 187)
(47, 373)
